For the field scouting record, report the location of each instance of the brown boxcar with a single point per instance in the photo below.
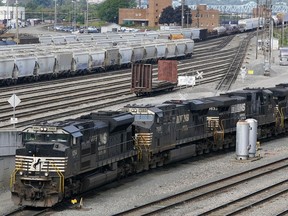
(142, 82)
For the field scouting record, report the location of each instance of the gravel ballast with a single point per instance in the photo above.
(161, 182)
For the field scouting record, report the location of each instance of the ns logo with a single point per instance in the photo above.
(36, 164)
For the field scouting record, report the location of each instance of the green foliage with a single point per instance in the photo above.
(69, 9)
(109, 9)
(277, 33)
(167, 18)
(33, 4)
(178, 15)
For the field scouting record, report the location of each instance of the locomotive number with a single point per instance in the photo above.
(182, 118)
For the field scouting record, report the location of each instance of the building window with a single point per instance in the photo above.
(156, 17)
(156, 4)
(156, 23)
(156, 11)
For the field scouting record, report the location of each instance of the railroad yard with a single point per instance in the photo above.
(74, 96)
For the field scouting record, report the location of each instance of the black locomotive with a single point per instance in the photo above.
(64, 158)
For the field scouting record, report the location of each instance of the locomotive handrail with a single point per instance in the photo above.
(282, 116)
(61, 185)
(139, 150)
(13, 177)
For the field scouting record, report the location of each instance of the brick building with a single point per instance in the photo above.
(145, 17)
(261, 12)
(203, 18)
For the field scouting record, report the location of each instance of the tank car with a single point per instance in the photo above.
(282, 18)
(64, 158)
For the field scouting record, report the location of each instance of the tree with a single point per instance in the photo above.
(178, 15)
(109, 9)
(166, 17)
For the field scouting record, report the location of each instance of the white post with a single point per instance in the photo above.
(17, 27)
(87, 16)
(55, 15)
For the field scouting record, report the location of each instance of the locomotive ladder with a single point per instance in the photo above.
(61, 176)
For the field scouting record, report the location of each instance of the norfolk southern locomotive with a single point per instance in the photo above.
(61, 159)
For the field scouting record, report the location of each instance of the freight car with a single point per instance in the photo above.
(61, 159)
(143, 84)
(49, 62)
(250, 24)
(281, 18)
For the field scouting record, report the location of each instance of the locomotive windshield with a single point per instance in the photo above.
(45, 137)
(141, 117)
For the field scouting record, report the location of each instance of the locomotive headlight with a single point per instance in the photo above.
(21, 173)
(46, 174)
(41, 129)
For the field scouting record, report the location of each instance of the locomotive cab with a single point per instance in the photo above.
(280, 96)
(60, 159)
(40, 166)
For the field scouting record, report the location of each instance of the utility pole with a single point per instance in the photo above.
(87, 15)
(198, 17)
(187, 14)
(282, 34)
(257, 33)
(55, 15)
(268, 31)
(182, 15)
(17, 27)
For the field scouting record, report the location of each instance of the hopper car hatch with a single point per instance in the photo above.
(143, 84)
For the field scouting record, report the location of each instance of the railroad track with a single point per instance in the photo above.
(215, 44)
(33, 88)
(216, 188)
(232, 72)
(52, 104)
(27, 211)
(34, 105)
